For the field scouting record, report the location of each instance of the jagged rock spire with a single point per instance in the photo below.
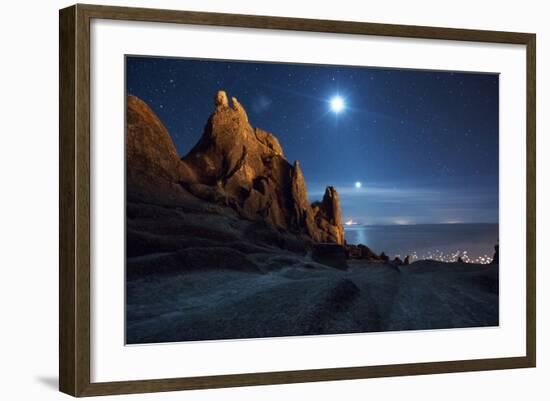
(245, 168)
(221, 99)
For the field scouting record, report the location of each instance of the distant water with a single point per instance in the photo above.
(474, 242)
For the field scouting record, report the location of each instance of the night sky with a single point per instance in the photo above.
(422, 144)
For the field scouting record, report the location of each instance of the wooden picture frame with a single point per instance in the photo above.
(74, 204)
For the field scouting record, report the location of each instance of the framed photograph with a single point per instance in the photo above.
(250, 200)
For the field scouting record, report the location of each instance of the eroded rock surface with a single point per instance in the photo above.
(233, 165)
(153, 167)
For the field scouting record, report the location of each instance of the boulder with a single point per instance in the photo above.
(397, 261)
(353, 252)
(333, 255)
(367, 253)
(361, 251)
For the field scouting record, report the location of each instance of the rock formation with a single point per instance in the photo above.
(328, 216)
(153, 168)
(397, 261)
(331, 255)
(247, 168)
(233, 164)
(361, 251)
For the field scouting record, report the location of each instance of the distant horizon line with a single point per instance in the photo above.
(417, 224)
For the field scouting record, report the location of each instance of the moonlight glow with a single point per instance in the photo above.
(337, 104)
(358, 184)
(343, 124)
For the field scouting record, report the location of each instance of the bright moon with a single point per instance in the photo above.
(337, 104)
(358, 184)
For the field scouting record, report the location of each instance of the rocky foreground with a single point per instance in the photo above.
(200, 272)
(305, 300)
(224, 243)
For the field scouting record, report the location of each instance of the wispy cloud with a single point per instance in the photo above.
(385, 204)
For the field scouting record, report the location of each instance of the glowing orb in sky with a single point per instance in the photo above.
(358, 184)
(337, 104)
